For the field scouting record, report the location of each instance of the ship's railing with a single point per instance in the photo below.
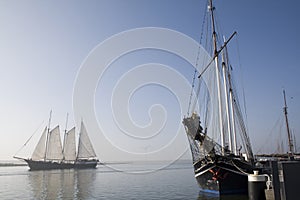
(201, 150)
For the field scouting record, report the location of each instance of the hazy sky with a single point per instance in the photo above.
(44, 43)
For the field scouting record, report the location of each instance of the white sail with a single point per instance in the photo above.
(70, 146)
(40, 149)
(54, 149)
(85, 148)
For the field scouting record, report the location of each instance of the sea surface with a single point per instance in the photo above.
(132, 180)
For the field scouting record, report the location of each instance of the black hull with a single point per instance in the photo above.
(217, 170)
(48, 165)
(223, 178)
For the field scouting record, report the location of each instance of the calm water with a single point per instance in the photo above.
(173, 182)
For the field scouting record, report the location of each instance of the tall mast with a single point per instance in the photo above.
(231, 108)
(295, 144)
(66, 123)
(48, 132)
(216, 58)
(291, 148)
(63, 150)
(226, 101)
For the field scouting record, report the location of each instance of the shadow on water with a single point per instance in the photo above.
(208, 196)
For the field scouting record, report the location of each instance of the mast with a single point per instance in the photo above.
(295, 145)
(47, 138)
(232, 118)
(216, 58)
(79, 143)
(226, 101)
(65, 136)
(232, 114)
(291, 148)
(66, 123)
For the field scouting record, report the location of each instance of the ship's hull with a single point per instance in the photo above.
(217, 169)
(48, 165)
(222, 178)
(83, 164)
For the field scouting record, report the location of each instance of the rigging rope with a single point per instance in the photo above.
(196, 64)
(259, 151)
(29, 138)
(242, 82)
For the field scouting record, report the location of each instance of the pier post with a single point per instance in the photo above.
(256, 186)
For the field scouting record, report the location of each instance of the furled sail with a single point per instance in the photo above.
(54, 151)
(215, 114)
(70, 146)
(40, 149)
(85, 148)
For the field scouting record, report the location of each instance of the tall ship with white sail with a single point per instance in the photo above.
(49, 153)
(220, 145)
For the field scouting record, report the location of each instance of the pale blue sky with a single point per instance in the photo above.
(43, 44)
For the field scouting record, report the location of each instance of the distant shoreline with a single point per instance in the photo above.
(12, 164)
(9, 163)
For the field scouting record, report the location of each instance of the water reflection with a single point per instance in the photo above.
(62, 184)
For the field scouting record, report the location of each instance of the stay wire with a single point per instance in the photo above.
(197, 62)
(30, 138)
(242, 85)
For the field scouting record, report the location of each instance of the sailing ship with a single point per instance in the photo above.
(292, 153)
(49, 153)
(220, 166)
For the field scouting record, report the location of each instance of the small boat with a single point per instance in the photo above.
(220, 166)
(49, 153)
